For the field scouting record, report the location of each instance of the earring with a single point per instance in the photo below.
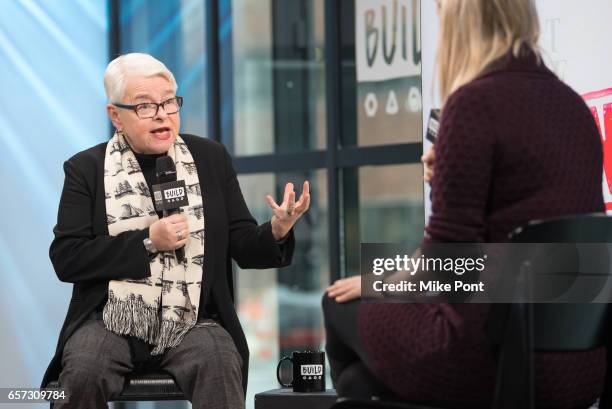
(119, 132)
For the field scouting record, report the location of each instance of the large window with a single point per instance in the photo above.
(278, 80)
(280, 308)
(299, 111)
(281, 83)
(278, 76)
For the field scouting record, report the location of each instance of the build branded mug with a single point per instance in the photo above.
(308, 371)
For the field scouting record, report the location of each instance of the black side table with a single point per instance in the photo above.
(285, 398)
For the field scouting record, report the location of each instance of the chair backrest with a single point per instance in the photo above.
(569, 327)
(584, 228)
(548, 326)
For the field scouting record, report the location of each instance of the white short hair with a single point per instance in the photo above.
(133, 65)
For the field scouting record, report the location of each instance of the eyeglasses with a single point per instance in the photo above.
(149, 109)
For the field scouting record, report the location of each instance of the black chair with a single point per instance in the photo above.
(146, 386)
(533, 327)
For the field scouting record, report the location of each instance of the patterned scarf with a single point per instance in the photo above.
(159, 309)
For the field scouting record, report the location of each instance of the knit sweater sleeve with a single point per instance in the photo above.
(462, 171)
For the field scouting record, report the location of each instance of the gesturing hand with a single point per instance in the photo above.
(289, 211)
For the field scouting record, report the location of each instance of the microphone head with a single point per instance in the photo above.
(433, 125)
(165, 169)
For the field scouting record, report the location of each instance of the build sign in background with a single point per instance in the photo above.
(388, 64)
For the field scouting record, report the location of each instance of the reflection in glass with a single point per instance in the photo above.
(382, 204)
(279, 94)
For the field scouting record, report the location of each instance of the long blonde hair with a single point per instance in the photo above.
(474, 33)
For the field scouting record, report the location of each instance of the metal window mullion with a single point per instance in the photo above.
(212, 70)
(114, 37)
(333, 93)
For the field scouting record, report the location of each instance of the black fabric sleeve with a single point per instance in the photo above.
(252, 246)
(80, 256)
(283, 240)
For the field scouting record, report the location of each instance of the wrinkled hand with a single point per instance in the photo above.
(289, 211)
(345, 289)
(165, 232)
(428, 160)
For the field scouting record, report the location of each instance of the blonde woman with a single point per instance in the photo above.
(515, 144)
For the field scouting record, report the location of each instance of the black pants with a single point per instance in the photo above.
(350, 366)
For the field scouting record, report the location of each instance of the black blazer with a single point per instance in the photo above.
(85, 255)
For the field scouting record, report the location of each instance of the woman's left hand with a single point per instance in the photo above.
(287, 213)
(345, 289)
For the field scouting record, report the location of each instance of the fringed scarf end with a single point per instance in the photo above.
(133, 318)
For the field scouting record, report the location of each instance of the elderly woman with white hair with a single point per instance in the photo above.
(135, 304)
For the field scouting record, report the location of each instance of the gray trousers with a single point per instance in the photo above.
(206, 366)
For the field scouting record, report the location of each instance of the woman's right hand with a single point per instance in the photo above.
(428, 160)
(165, 232)
(345, 289)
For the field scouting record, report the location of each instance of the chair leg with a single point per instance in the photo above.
(515, 379)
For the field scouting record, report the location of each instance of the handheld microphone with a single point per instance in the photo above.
(433, 125)
(169, 194)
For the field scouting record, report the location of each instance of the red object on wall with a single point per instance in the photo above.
(594, 112)
(607, 143)
(601, 101)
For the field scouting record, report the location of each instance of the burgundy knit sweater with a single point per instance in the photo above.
(514, 145)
